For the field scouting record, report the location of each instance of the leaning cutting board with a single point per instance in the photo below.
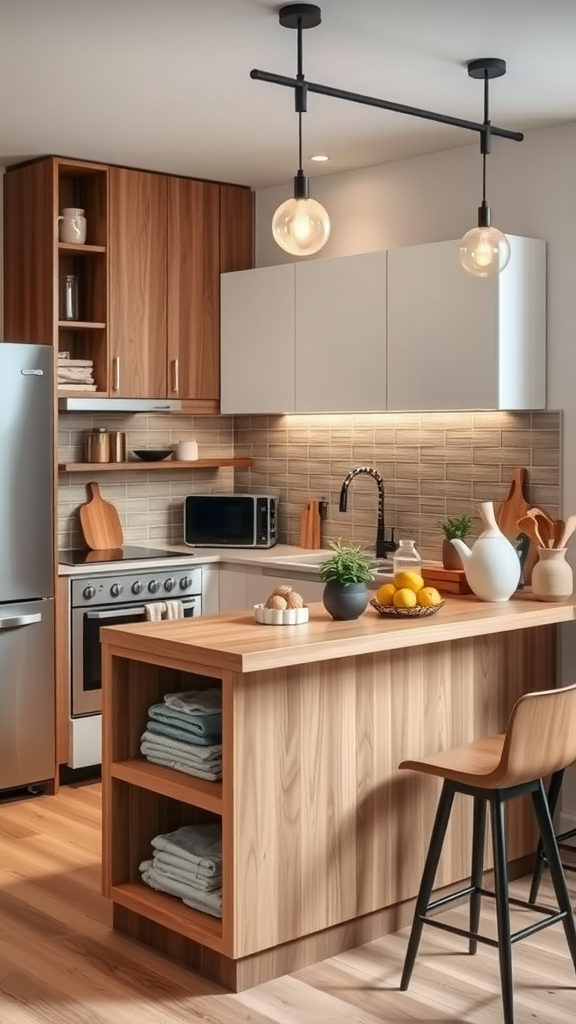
(513, 508)
(100, 522)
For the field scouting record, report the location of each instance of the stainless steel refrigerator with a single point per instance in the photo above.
(26, 566)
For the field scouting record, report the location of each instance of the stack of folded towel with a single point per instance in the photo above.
(185, 733)
(188, 863)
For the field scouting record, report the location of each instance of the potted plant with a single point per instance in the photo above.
(346, 574)
(454, 527)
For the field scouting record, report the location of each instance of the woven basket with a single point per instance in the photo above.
(405, 613)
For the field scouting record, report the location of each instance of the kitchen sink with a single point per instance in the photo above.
(313, 560)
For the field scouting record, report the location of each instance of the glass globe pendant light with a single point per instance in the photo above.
(484, 250)
(300, 225)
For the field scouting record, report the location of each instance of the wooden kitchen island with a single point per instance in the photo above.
(323, 838)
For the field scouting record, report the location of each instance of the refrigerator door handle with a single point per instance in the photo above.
(11, 621)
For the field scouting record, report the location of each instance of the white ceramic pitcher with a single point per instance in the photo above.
(492, 566)
(72, 225)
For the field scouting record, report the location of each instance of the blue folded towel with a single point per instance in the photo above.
(194, 725)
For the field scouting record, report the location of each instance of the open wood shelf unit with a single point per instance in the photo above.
(170, 912)
(81, 325)
(85, 467)
(170, 783)
(79, 250)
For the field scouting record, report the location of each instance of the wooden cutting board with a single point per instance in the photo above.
(310, 525)
(100, 522)
(510, 511)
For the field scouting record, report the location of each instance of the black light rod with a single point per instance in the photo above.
(371, 101)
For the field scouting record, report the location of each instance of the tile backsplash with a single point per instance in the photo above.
(433, 464)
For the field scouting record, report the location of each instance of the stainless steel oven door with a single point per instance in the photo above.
(86, 698)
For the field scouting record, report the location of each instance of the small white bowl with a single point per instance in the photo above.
(280, 616)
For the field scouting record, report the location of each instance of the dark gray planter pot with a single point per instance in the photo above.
(345, 600)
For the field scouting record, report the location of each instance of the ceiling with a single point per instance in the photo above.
(165, 85)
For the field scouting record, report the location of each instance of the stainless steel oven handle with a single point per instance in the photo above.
(10, 622)
(115, 614)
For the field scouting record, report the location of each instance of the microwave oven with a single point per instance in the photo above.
(230, 520)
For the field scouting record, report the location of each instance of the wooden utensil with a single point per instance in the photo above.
(100, 522)
(514, 506)
(310, 525)
(569, 527)
(545, 526)
(528, 524)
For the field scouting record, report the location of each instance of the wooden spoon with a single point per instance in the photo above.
(569, 527)
(528, 524)
(545, 526)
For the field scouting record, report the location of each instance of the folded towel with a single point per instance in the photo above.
(201, 725)
(187, 751)
(199, 875)
(173, 610)
(201, 845)
(209, 774)
(196, 702)
(186, 874)
(210, 903)
(154, 610)
(159, 729)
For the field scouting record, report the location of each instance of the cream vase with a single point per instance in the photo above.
(552, 577)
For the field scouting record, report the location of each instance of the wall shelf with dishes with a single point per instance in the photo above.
(85, 467)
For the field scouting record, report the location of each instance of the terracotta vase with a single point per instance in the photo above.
(450, 557)
(552, 577)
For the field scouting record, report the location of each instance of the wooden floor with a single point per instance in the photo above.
(61, 964)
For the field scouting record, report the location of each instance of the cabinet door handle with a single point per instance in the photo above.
(13, 621)
(175, 376)
(116, 373)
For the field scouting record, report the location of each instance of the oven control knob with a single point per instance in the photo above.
(137, 587)
(89, 593)
(170, 583)
(116, 589)
(154, 586)
(185, 583)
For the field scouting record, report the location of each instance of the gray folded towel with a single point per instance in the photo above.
(203, 755)
(199, 844)
(195, 871)
(209, 902)
(184, 874)
(196, 702)
(205, 724)
(182, 735)
(210, 775)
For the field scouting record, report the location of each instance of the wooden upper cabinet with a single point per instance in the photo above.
(236, 228)
(193, 295)
(29, 233)
(138, 280)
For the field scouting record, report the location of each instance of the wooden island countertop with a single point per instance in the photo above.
(323, 838)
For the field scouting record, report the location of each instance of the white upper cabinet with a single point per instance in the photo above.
(460, 342)
(306, 337)
(341, 334)
(257, 340)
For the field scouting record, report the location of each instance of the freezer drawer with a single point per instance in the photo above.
(27, 749)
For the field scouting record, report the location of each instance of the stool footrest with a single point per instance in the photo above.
(551, 916)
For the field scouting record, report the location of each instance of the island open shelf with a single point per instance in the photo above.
(323, 838)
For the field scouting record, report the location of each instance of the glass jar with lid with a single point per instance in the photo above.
(406, 557)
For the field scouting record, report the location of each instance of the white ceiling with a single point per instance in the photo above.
(165, 85)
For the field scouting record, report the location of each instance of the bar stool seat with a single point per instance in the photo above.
(540, 740)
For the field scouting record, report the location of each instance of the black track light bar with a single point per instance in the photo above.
(372, 101)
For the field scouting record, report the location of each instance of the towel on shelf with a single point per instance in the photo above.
(200, 845)
(208, 725)
(197, 771)
(173, 610)
(154, 610)
(209, 902)
(185, 873)
(196, 702)
(188, 751)
(196, 872)
(182, 735)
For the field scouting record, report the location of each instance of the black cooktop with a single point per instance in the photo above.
(82, 556)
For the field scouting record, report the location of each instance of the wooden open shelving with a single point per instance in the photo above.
(85, 467)
(186, 788)
(170, 912)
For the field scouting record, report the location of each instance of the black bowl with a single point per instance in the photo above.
(152, 454)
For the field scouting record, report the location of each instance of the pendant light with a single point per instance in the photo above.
(300, 226)
(484, 250)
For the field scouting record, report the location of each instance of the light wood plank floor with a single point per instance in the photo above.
(61, 964)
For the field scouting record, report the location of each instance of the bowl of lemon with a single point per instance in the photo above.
(407, 597)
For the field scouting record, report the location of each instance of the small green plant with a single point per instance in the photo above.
(349, 564)
(456, 526)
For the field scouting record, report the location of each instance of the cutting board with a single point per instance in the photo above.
(450, 581)
(510, 511)
(100, 522)
(310, 525)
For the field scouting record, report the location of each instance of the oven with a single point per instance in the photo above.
(113, 599)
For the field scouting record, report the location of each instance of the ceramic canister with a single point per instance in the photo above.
(72, 224)
(552, 577)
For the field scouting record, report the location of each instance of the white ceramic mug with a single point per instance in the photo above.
(72, 224)
(186, 451)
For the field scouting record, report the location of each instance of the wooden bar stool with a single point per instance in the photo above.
(561, 838)
(540, 740)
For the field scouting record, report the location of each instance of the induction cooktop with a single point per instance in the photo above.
(83, 556)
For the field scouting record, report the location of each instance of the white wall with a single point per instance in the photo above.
(532, 192)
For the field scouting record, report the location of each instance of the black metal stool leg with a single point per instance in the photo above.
(478, 833)
(502, 906)
(428, 875)
(553, 795)
(544, 816)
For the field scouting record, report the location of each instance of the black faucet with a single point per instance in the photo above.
(383, 547)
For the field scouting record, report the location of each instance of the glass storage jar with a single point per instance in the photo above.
(406, 557)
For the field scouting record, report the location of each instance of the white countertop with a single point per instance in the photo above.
(192, 557)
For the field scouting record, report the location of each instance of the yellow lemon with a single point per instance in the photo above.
(428, 596)
(385, 593)
(404, 598)
(409, 579)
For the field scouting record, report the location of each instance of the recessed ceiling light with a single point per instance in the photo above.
(320, 158)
